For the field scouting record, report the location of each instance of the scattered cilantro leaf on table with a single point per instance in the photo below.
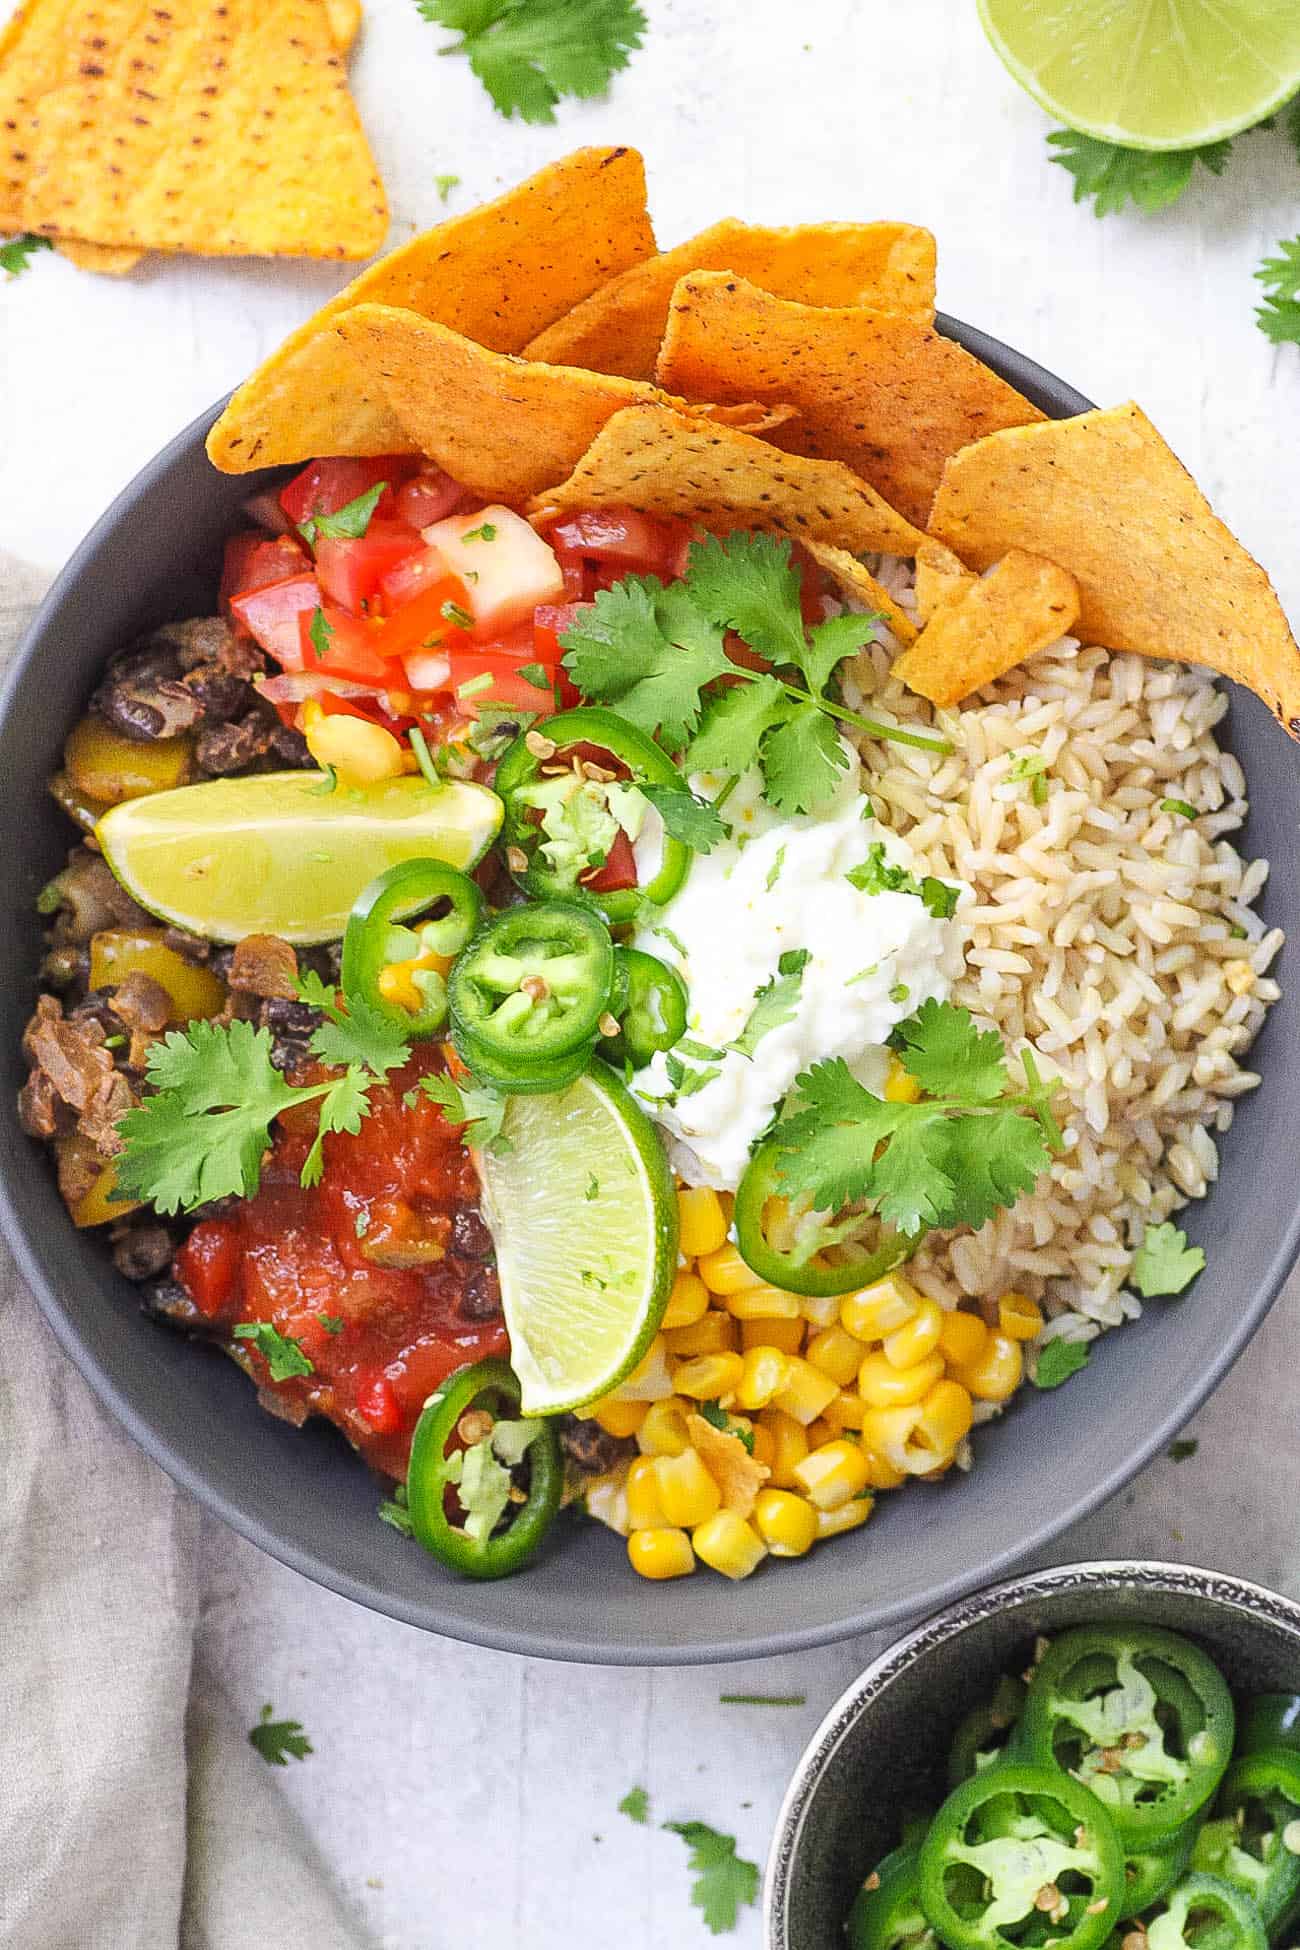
(1114, 176)
(1058, 1361)
(1164, 1262)
(281, 1352)
(695, 822)
(1184, 1448)
(1278, 317)
(725, 1882)
(16, 255)
(528, 53)
(276, 1740)
(348, 523)
(636, 1805)
(477, 1106)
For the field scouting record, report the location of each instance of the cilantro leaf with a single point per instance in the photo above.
(802, 759)
(319, 631)
(724, 1881)
(829, 643)
(528, 55)
(348, 523)
(950, 1057)
(909, 1180)
(393, 1512)
(344, 1103)
(276, 1740)
(992, 1160)
(1278, 317)
(776, 1002)
(361, 1035)
(693, 821)
(878, 875)
(1058, 1361)
(1164, 1262)
(445, 185)
(16, 255)
(477, 1106)
(1114, 176)
(636, 1805)
(749, 584)
(647, 651)
(283, 1355)
(829, 1144)
(1182, 1449)
(734, 725)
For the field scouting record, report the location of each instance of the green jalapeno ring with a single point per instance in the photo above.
(1239, 1926)
(1053, 1829)
(430, 1475)
(385, 929)
(987, 1730)
(1113, 1734)
(534, 1078)
(532, 984)
(650, 1004)
(1269, 1871)
(521, 768)
(814, 1276)
(1149, 1874)
(887, 1913)
(1269, 1720)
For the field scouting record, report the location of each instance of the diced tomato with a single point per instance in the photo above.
(635, 543)
(619, 870)
(550, 621)
(579, 583)
(270, 615)
(427, 620)
(429, 496)
(505, 565)
(377, 1402)
(208, 1263)
(351, 648)
(253, 560)
(325, 486)
(351, 572)
(505, 686)
(411, 577)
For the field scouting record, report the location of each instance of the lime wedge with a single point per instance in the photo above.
(281, 854)
(584, 1214)
(1151, 74)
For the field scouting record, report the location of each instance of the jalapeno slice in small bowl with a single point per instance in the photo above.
(403, 934)
(1254, 1840)
(532, 985)
(1202, 1912)
(887, 1914)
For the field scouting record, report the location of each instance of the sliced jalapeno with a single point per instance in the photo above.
(1141, 1716)
(986, 1732)
(531, 1079)
(402, 936)
(1151, 1873)
(797, 1263)
(1254, 1840)
(1269, 1720)
(1016, 1846)
(564, 817)
(650, 1005)
(1206, 1912)
(477, 1410)
(887, 1913)
(531, 987)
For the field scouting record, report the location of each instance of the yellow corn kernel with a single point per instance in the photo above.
(886, 1433)
(918, 1437)
(619, 1418)
(785, 1334)
(708, 1376)
(818, 1432)
(790, 1446)
(644, 1509)
(882, 1385)
(806, 1392)
(882, 1475)
(945, 1418)
(836, 1353)
(726, 1543)
(845, 1412)
(764, 1449)
(995, 1376)
(702, 1221)
(712, 1333)
(664, 1432)
(762, 1302)
(901, 1087)
(832, 1473)
(687, 1492)
(786, 1523)
(687, 1303)
(1019, 1317)
(849, 1516)
(360, 752)
(724, 1271)
(116, 953)
(764, 1375)
(916, 1337)
(962, 1338)
(820, 1309)
(660, 1553)
(880, 1309)
(650, 1380)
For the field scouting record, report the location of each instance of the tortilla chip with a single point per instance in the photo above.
(1158, 573)
(618, 328)
(1005, 617)
(858, 583)
(940, 579)
(886, 394)
(498, 274)
(110, 260)
(224, 126)
(738, 1477)
(344, 18)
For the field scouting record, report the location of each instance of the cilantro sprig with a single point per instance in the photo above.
(725, 1882)
(277, 1740)
(655, 653)
(968, 1146)
(357, 1034)
(1278, 317)
(1113, 176)
(283, 1355)
(528, 53)
(16, 255)
(477, 1106)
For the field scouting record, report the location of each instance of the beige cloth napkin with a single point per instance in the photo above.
(134, 1814)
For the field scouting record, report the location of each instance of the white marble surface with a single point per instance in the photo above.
(463, 1798)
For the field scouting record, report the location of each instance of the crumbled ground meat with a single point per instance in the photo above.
(41, 1111)
(263, 965)
(141, 1003)
(588, 1445)
(71, 1054)
(91, 899)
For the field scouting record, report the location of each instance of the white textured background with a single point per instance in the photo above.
(465, 1799)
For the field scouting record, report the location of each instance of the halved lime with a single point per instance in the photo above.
(584, 1214)
(1151, 74)
(281, 853)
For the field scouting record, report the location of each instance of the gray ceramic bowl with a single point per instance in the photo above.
(884, 1744)
(304, 1497)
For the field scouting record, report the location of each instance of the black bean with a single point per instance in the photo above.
(190, 947)
(142, 1252)
(591, 1447)
(290, 748)
(292, 1018)
(224, 749)
(470, 1238)
(219, 694)
(481, 1298)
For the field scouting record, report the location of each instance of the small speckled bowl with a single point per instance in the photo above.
(883, 1746)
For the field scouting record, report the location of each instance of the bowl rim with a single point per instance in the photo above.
(1192, 1581)
(437, 1612)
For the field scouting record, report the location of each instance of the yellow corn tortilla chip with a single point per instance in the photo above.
(940, 579)
(855, 581)
(1158, 572)
(618, 328)
(110, 260)
(738, 1477)
(885, 394)
(344, 18)
(224, 126)
(1005, 617)
(668, 462)
(497, 274)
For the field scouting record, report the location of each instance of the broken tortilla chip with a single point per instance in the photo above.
(497, 274)
(667, 462)
(1158, 572)
(738, 1477)
(1017, 609)
(344, 17)
(618, 328)
(940, 579)
(857, 584)
(224, 127)
(110, 260)
(886, 394)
